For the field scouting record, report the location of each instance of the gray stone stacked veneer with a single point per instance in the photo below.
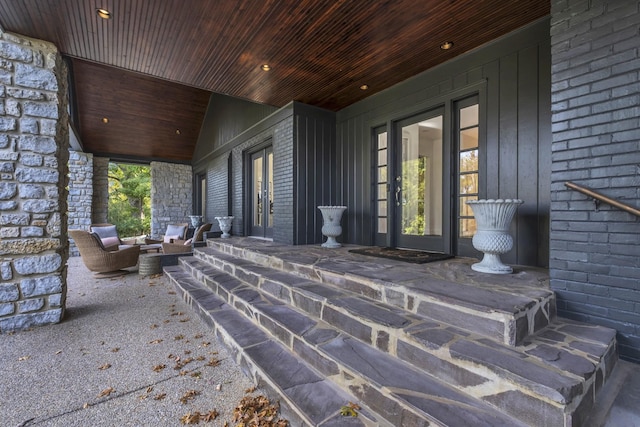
(413, 345)
(33, 177)
(80, 194)
(171, 195)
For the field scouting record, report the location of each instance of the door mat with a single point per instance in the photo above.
(416, 257)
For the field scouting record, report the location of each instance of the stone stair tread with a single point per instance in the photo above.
(316, 396)
(533, 370)
(506, 313)
(437, 398)
(556, 369)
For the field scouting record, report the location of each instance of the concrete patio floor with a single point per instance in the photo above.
(113, 359)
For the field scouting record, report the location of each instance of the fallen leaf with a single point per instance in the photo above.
(200, 358)
(190, 418)
(140, 296)
(159, 396)
(188, 396)
(115, 349)
(149, 389)
(23, 358)
(104, 367)
(158, 341)
(179, 337)
(159, 368)
(187, 352)
(250, 389)
(218, 387)
(198, 336)
(59, 351)
(167, 321)
(85, 406)
(212, 415)
(206, 344)
(196, 374)
(186, 319)
(154, 326)
(171, 292)
(106, 392)
(213, 362)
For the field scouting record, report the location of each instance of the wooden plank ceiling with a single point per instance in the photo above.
(151, 67)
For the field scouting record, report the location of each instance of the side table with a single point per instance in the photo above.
(149, 264)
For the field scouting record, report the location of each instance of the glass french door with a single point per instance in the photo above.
(420, 192)
(261, 190)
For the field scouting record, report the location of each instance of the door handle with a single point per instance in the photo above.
(398, 190)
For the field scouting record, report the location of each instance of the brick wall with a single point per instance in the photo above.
(595, 253)
(34, 154)
(217, 190)
(281, 136)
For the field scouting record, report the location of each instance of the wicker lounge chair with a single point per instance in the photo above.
(182, 246)
(97, 259)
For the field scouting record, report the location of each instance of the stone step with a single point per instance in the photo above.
(553, 370)
(307, 399)
(504, 308)
(396, 391)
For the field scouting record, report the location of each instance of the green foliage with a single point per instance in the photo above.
(413, 178)
(130, 199)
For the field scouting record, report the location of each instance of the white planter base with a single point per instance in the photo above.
(331, 243)
(491, 264)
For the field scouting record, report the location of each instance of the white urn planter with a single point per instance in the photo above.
(225, 225)
(195, 220)
(493, 218)
(331, 216)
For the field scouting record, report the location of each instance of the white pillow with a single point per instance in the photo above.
(173, 230)
(168, 239)
(188, 242)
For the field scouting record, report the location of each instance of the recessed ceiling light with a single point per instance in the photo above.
(364, 87)
(446, 45)
(105, 120)
(103, 13)
(265, 67)
(178, 132)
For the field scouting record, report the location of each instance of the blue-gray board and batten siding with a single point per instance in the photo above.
(589, 133)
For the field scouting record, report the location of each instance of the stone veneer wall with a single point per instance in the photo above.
(100, 190)
(34, 141)
(80, 194)
(171, 195)
(594, 258)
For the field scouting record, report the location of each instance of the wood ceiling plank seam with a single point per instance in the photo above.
(242, 40)
(158, 60)
(171, 45)
(210, 70)
(202, 44)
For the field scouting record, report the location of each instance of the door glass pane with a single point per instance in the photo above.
(257, 190)
(381, 182)
(420, 197)
(468, 167)
(269, 188)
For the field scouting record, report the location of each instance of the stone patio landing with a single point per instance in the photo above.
(430, 344)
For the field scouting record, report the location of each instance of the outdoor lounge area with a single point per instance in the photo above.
(419, 213)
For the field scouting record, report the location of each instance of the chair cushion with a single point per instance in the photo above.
(110, 241)
(176, 230)
(106, 231)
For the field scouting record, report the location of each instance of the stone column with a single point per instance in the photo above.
(100, 190)
(34, 153)
(171, 195)
(80, 193)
